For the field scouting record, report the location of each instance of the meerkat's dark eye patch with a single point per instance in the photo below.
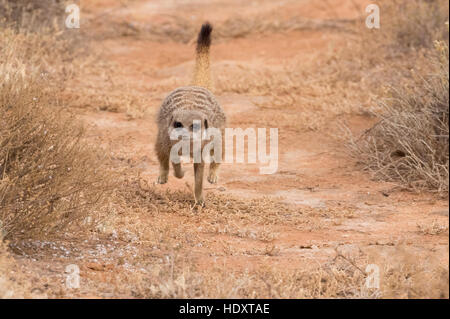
(206, 124)
(177, 124)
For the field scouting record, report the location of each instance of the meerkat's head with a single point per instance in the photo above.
(188, 119)
(192, 123)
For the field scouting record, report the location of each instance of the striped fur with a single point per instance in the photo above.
(193, 98)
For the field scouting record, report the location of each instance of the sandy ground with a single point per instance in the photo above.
(315, 172)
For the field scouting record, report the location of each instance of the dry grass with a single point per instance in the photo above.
(13, 283)
(35, 16)
(409, 144)
(329, 282)
(178, 28)
(176, 274)
(312, 86)
(406, 274)
(435, 228)
(412, 25)
(9, 287)
(48, 176)
(177, 265)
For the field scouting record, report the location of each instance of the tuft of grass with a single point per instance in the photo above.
(435, 228)
(29, 15)
(413, 24)
(12, 283)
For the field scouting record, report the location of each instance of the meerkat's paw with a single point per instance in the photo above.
(162, 179)
(212, 178)
(200, 202)
(178, 173)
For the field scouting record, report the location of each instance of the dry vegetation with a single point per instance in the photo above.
(9, 287)
(52, 180)
(49, 176)
(341, 278)
(170, 272)
(409, 144)
(183, 30)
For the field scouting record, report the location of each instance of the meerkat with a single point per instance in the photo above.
(181, 108)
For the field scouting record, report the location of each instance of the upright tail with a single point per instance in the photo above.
(202, 73)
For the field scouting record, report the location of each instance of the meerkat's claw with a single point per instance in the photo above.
(162, 179)
(200, 202)
(212, 178)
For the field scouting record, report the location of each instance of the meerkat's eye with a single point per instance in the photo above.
(177, 124)
(206, 124)
(191, 128)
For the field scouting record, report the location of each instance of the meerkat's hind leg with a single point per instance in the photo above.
(212, 175)
(214, 166)
(178, 170)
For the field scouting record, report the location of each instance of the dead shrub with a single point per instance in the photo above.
(410, 142)
(413, 24)
(48, 175)
(31, 15)
(408, 30)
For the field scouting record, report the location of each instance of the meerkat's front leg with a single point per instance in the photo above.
(214, 166)
(163, 171)
(178, 171)
(212, 175)
(198, 172)
(163, 159)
